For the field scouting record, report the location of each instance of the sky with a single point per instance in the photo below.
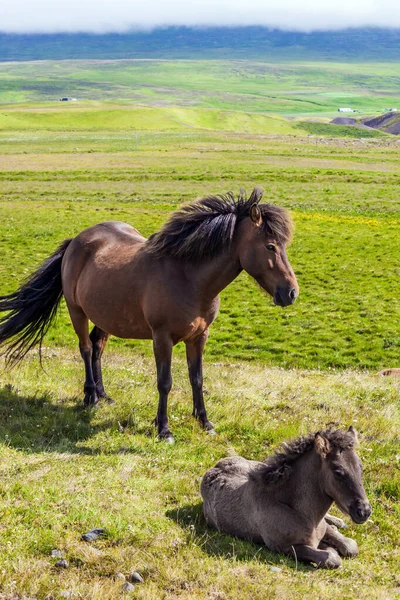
(99, 16)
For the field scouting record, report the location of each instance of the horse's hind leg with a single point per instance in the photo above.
(194, 355)
(99, 339)
(80, 323)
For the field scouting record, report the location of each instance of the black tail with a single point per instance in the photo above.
(32, 308)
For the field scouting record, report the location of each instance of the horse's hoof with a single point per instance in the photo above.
(168, 439)
(90, 401)
(333, 561)
(208, 426)
(211, 432)
(166, 436)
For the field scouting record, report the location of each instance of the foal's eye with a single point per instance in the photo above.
(271, 247)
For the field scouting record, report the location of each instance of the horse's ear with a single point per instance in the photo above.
(255, 214)
(322, 445)
(353, 431)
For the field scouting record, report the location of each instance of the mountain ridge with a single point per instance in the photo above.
(256, 42)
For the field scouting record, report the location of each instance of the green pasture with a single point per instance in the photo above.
(293, 88)
(270, 373)
(343, 196)
(65, 471)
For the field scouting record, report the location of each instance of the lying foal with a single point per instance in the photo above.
(283, 502)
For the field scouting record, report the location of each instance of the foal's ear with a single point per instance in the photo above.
(255, 214)
(353, 431)
(322, 445)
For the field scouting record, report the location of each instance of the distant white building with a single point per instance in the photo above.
(346, 110)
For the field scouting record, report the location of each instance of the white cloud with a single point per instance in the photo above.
(122, 15)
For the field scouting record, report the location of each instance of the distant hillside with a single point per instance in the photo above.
(183, 42)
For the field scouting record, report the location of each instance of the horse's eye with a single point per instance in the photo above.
(339, 473)
(271, 247)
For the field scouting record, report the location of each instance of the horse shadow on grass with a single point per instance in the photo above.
(191, 519)
(38, 424)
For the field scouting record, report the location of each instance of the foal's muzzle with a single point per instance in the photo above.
(360, 511)
(284, 296)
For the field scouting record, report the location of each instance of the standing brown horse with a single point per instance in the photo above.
(164, 288)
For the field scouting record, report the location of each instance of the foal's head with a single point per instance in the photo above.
(261, 243)
(341, 472)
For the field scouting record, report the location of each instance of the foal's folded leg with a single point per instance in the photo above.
(325, 559)
(344, 545)
(339, 523)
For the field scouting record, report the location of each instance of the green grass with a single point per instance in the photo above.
(65, 471)
(141, 118)
(343, 131)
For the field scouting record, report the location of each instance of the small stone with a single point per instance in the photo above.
(119, 576)
(135, 577)
(93, 535)
(275, 569)
(62, 564)
(56, 553)
(128, 587)
(65, 594)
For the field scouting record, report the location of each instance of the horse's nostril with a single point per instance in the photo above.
(292, 294)
(363, 512)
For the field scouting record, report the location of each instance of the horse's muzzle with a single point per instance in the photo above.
(360, 511)
(285, 296)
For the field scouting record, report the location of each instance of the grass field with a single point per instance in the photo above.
(270, 373)
(293, 89)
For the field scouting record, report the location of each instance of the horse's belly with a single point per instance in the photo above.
(128, 329)
(121, 319)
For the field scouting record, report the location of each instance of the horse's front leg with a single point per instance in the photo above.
(325, 559)
(344, 545)
(335, 521)
(162, 347)
(194, 355)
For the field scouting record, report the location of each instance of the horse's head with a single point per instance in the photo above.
(341, 473)
(264, 235)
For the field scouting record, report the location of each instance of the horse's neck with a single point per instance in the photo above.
(214, 276)
(304, 489)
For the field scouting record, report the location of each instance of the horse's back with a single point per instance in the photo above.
(109, 232)
(222, 490)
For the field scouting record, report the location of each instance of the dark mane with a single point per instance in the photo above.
(203, 229)
(278, 466)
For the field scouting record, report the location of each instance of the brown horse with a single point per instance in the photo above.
(164, 288)
(283, 502)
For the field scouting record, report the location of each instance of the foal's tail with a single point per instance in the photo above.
(32, 308)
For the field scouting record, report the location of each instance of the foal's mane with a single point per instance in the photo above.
(279, 466)
(204, 228)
